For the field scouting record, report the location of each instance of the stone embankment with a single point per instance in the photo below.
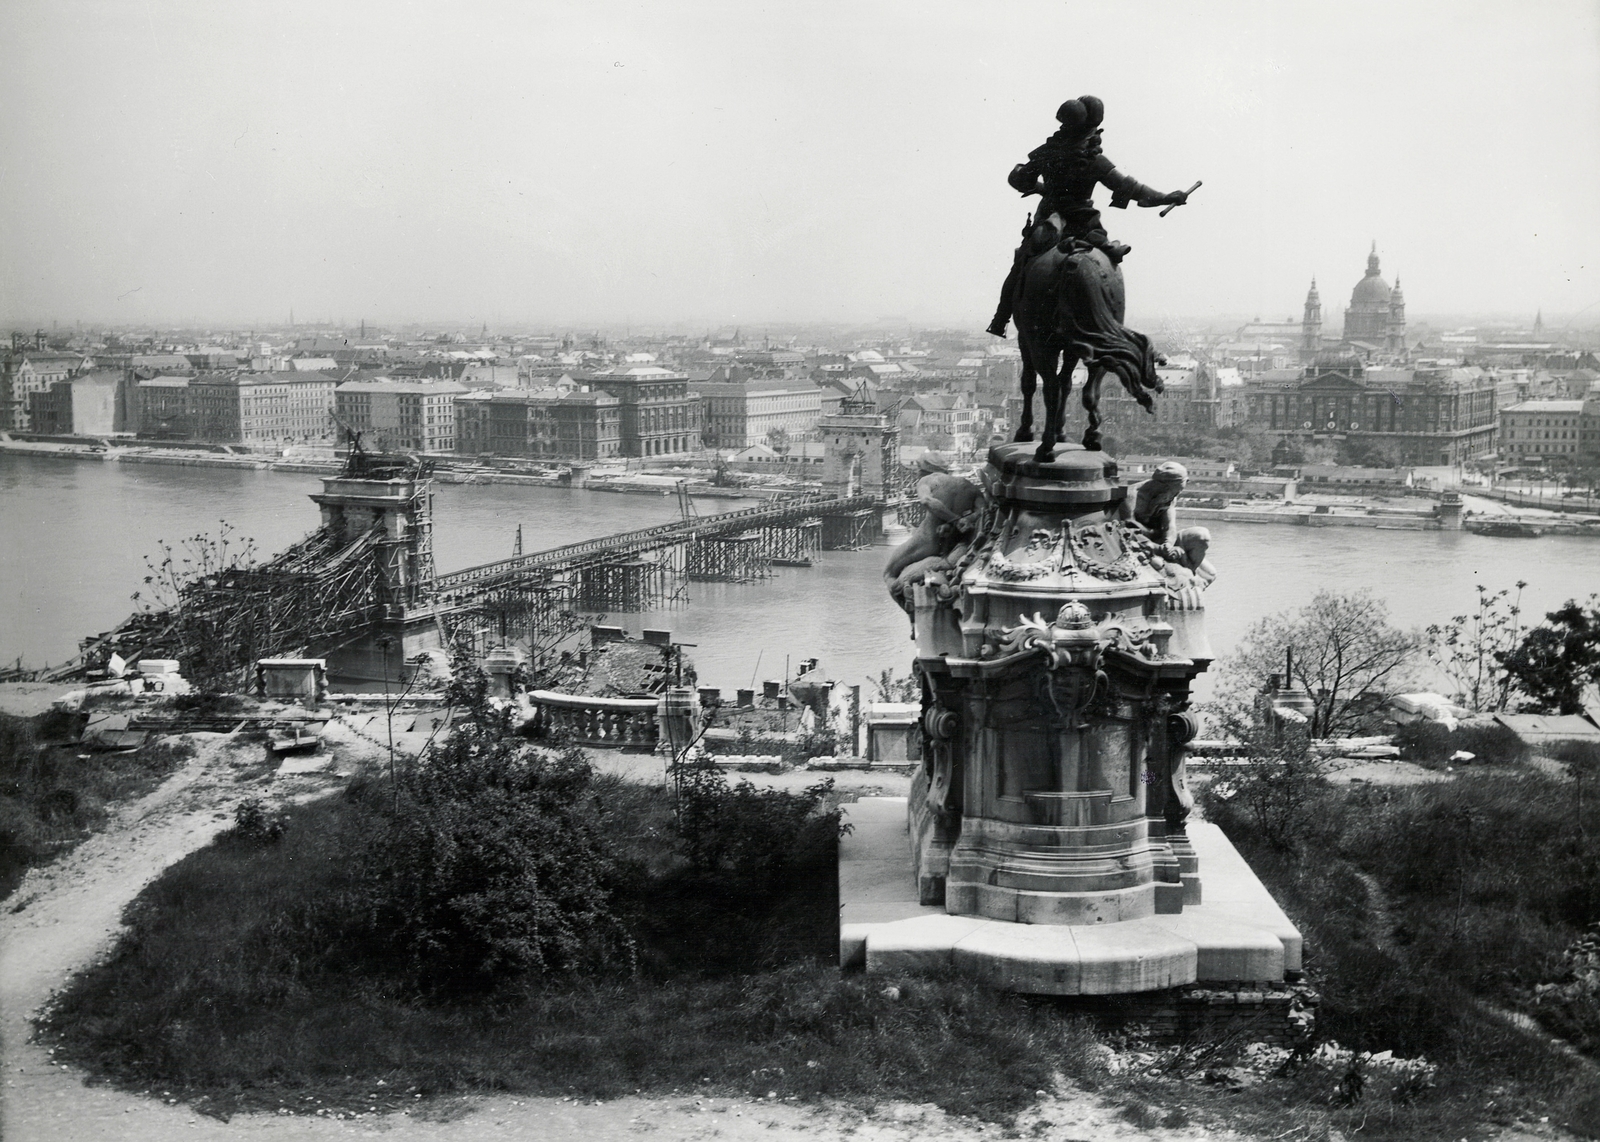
(448, 471)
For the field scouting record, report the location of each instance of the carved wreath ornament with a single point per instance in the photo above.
(1092, 550)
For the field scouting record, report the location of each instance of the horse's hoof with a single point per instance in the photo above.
(1023, 436)
(1045, 454)
(1091, 442)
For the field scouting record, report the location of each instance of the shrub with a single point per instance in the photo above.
(494, 863)
(50, 797)
(1430, 743)
(741, 834)
(748, 880)
(253, 821)
(1275, 796)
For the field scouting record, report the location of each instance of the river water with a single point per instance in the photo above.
(74, 535)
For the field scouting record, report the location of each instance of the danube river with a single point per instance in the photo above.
(74, 535)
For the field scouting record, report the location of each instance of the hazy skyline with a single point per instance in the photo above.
(543, 163)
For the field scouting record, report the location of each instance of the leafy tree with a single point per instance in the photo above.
(778, 441)
(1558, 660)
(1470, 648)
(1346, 654)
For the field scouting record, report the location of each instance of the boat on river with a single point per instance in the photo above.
(1507, 528)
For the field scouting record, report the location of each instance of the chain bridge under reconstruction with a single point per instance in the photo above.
(362, 590)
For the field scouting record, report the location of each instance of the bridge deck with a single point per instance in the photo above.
(649, 538)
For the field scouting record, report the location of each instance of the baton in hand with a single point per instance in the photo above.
(1168, 210)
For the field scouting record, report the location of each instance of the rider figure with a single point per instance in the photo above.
(1063, 172)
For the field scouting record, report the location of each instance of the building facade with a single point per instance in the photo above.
(261, 410)
(1425, 416)
(28, 372)
(542, 424)
(741, 407)
(1191, 399)
(164, 410)
(659, 417)
(943, 422)
(400, 416)
(1543, 431)
(88, 404)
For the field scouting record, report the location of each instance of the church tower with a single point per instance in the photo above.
(1311, 325)
(1395, 335)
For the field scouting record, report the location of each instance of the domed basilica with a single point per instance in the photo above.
(1374, 324)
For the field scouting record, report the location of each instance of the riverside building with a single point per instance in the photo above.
(542, 424)
(1538, 431)
(27, 372)
(263, 410)
(400, 416)
(742, 407)
(1427, 414)
(659, 416)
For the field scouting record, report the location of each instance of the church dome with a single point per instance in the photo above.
(1371, 292)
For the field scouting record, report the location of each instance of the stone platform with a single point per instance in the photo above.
(1238, 935)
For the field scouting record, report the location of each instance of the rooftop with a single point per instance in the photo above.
(410, 388)
(1548, 406)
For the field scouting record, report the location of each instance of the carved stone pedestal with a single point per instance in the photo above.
(1056, 646)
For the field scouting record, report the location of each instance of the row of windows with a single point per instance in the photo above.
(1542, 449)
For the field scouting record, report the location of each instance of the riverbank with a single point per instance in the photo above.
(1299, 514)
(445, 472)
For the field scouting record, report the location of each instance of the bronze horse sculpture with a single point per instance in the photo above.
(1068, 305)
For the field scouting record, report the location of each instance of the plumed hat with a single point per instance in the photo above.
(1171, 472)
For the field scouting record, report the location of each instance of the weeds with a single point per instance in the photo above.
(52, 794)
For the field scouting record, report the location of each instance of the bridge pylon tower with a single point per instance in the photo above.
(860, 450)
(396, 503)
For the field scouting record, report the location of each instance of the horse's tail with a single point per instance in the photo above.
(1092, 295)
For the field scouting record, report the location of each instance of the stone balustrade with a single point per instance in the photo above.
(583, 719)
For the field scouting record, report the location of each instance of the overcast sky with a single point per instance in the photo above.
(743, 162)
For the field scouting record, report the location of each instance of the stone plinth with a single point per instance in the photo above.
(1238, 936)
(294, 679)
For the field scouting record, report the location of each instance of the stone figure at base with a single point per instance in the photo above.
(1152, 510)
(937, 543)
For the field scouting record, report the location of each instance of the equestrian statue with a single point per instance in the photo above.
(1065, 287)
